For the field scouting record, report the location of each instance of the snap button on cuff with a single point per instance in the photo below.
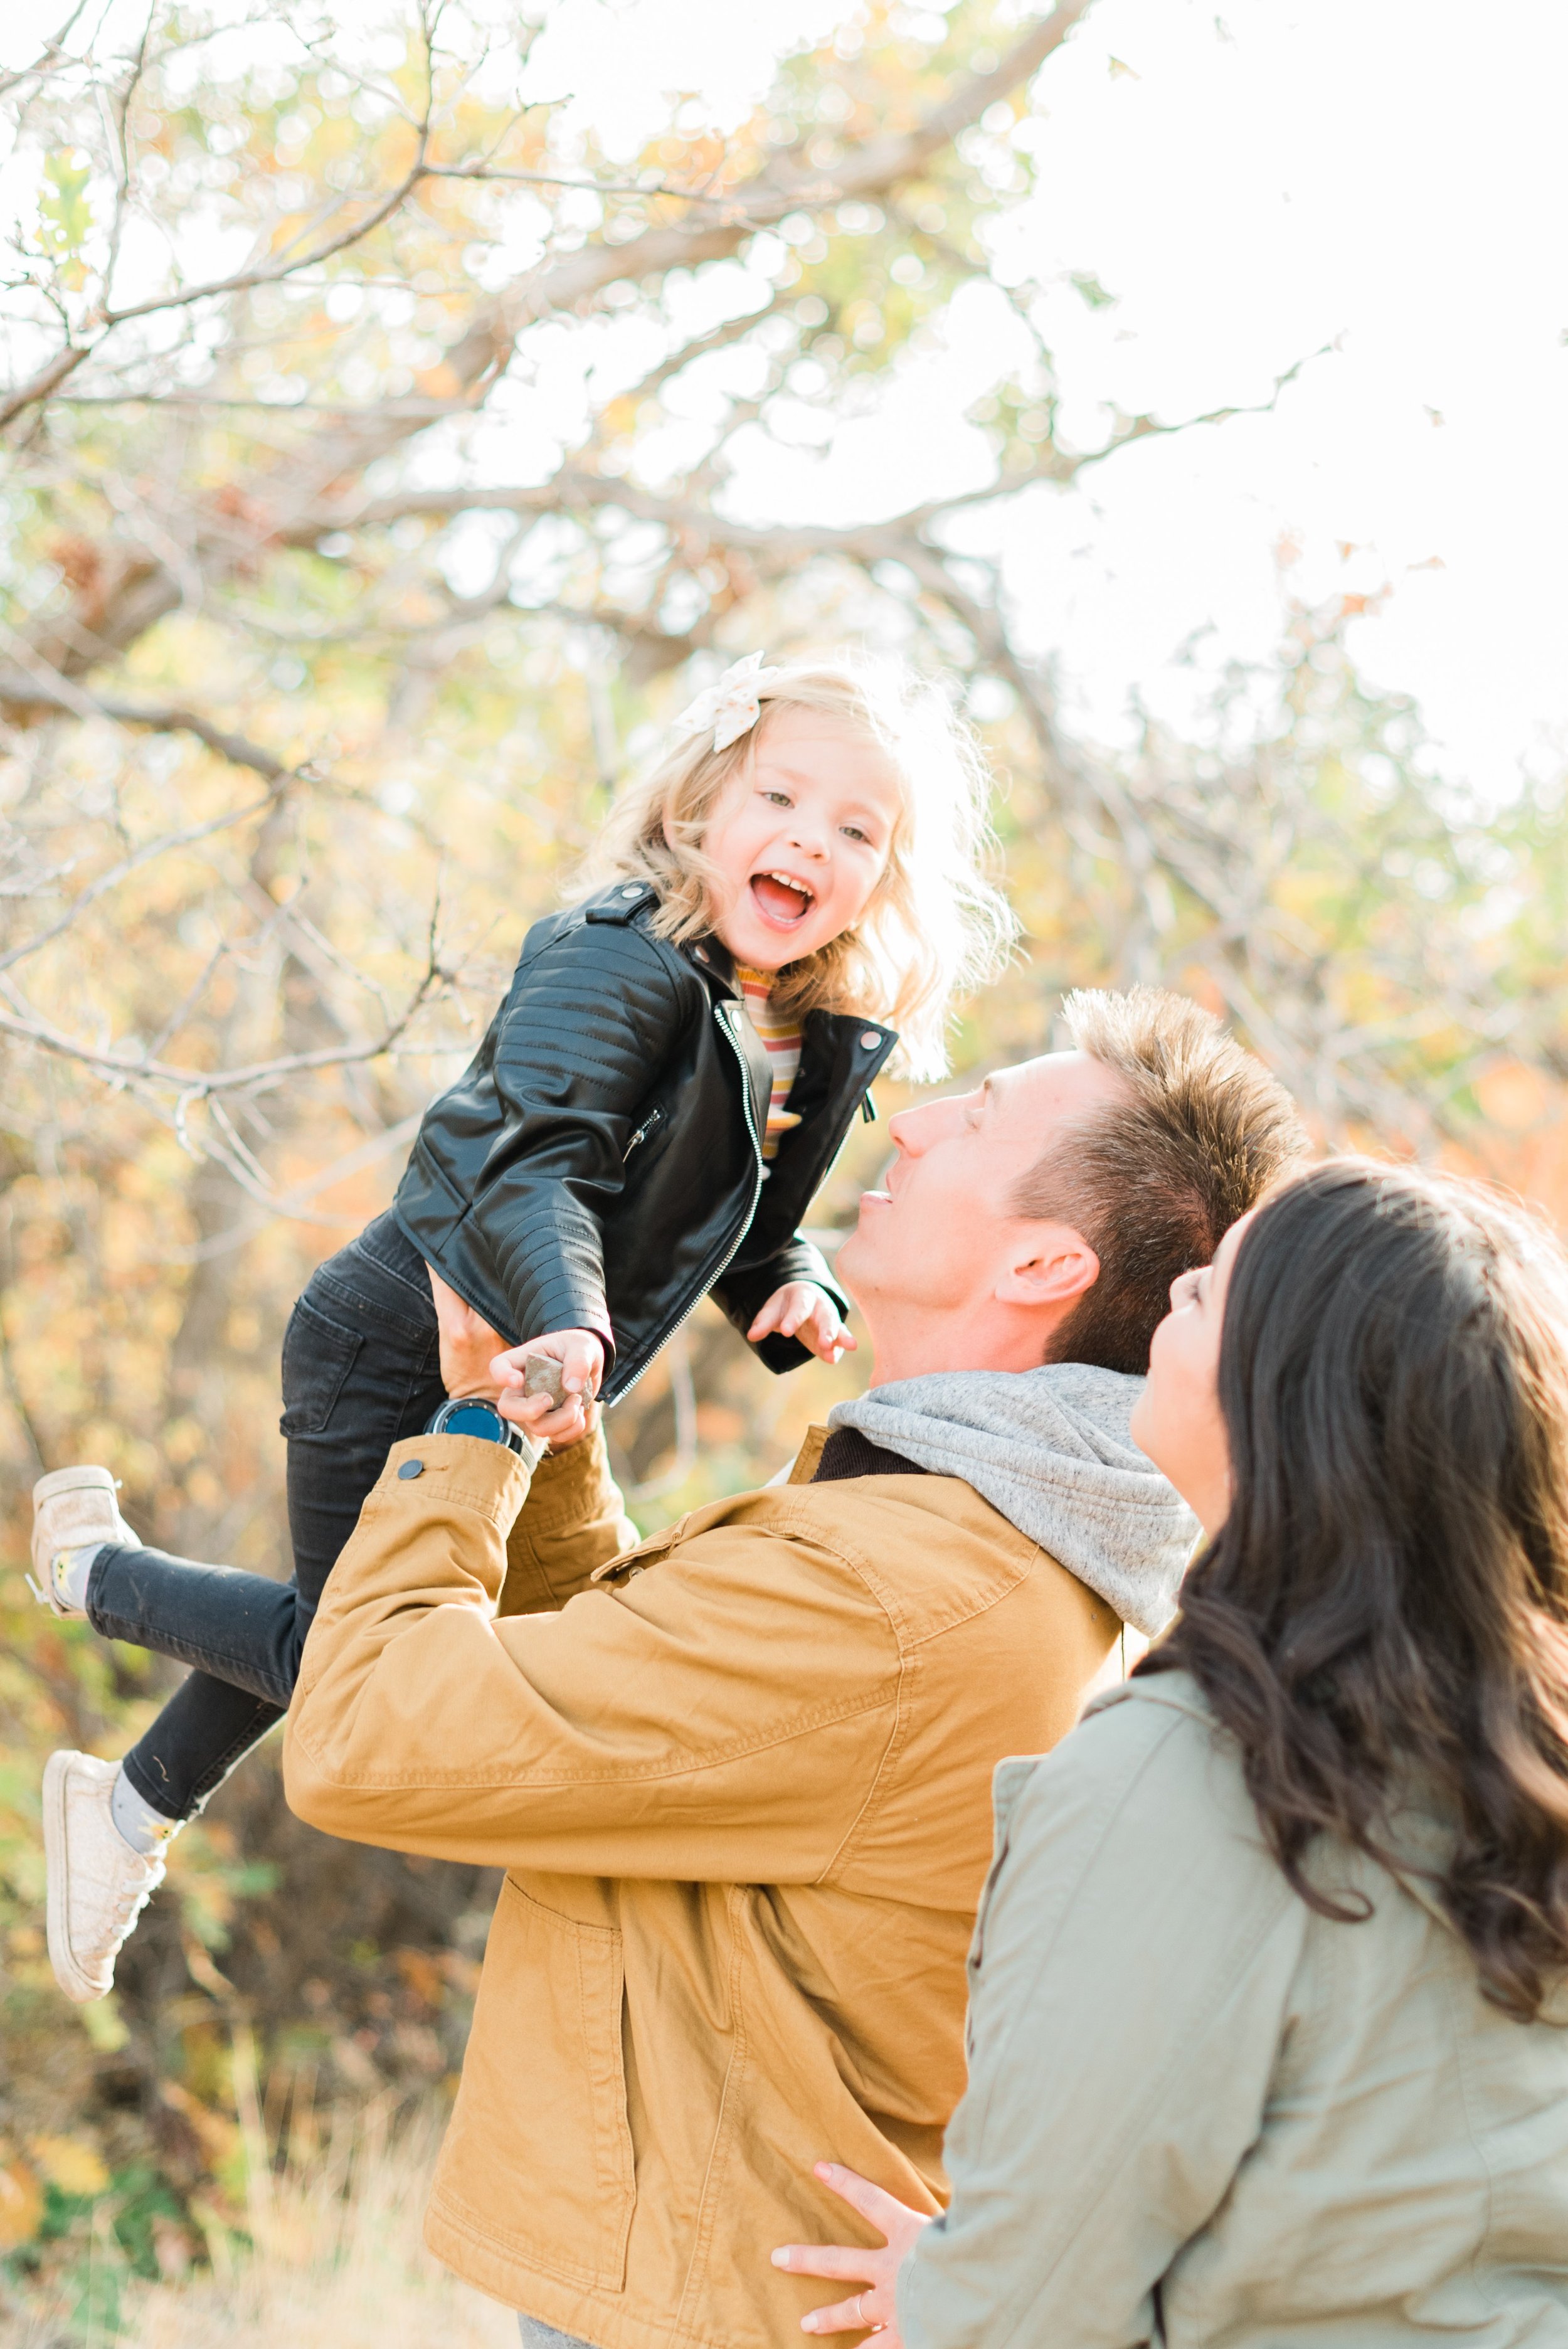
(869, 1041)
(411, 1468)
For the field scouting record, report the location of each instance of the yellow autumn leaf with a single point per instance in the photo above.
(69, 2163)
(437, 382)
(21, 2205)
(104, 2026)
(1513, 1096)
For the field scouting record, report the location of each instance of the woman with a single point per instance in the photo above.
(1267, 1989)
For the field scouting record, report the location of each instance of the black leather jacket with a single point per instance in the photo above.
(598, 1166)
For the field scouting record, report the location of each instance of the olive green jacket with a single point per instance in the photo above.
(1198, 2113)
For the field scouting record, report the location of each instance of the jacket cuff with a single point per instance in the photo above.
(575, 1521)
(555, 1281)
(570, 1485)
(743, 1292)
(426, 1477)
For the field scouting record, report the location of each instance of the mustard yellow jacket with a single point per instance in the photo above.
(741, 1779)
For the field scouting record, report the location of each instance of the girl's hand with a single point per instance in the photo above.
(468, 1343)
(800, 1309)
(874, 2308)
(580, 1359)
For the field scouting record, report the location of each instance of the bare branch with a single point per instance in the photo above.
(25, 690)
(164, 845)
(139, 1071)
(49, 378)
(49, 55)
(246, 280)
(1129, 428)
(882, 162)
(292, 1206)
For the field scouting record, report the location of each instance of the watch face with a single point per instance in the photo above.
(475, 1419)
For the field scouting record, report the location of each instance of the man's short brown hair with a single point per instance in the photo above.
(1154, 1182)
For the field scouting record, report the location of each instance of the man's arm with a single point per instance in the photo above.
(572, 1524)
(1135, 1956)
(719, 1716)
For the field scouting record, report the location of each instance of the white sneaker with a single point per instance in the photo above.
(97, 1885)
(73, 1509)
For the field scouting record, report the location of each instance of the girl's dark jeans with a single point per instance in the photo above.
(360, 1372)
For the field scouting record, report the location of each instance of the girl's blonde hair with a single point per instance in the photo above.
(934, 924)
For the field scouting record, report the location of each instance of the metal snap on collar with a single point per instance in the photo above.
(701, 953)
(633, 889)
(411, 1468)
(869, 1041)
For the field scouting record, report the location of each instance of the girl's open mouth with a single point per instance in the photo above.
(781, 901)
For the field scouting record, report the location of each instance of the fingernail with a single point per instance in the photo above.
(779, 2258)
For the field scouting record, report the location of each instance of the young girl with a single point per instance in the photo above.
(658, 1098)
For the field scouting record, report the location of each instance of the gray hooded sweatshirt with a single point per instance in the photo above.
(1050, 1449)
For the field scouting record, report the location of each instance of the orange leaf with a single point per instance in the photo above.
(20, 2206)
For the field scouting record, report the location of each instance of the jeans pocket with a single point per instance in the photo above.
(318, 1354)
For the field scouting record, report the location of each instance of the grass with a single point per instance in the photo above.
(334, 2261)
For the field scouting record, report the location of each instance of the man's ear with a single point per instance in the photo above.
(1052, 1265)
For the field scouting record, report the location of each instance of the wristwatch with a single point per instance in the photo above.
(472, 1415)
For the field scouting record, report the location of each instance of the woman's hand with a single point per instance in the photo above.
(800, 1309)
(873, 2309)
(468, 1343)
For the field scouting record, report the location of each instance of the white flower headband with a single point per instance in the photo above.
(732, 706)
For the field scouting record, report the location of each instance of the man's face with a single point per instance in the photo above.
(944, 1228)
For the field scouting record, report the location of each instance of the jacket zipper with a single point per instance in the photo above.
(664, 1336)
(641, 1133)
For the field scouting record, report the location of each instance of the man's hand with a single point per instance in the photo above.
(875, 2309)
(468, 1343)
(579, 1359)
(800, 1309)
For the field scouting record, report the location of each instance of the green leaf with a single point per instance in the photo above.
(67, 215)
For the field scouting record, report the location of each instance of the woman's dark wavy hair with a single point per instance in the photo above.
(1385, 1611)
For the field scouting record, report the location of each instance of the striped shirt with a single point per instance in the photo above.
(780, 1038)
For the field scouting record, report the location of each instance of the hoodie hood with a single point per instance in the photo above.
(1050, 1449)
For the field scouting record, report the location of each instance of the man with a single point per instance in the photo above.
(740, 1775)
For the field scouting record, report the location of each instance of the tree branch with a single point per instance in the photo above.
(21, 690)
(48, 379)
(193, 1085)
(163, 845)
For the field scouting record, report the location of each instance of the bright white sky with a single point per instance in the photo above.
(1387, 176)
(1392, 178)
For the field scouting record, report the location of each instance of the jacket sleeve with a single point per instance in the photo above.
(572, 1524)
(582, 1034)
(745, 1289)
(720, 1716)
(1129, 1980)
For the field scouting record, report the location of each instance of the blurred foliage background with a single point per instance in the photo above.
(369, 507)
